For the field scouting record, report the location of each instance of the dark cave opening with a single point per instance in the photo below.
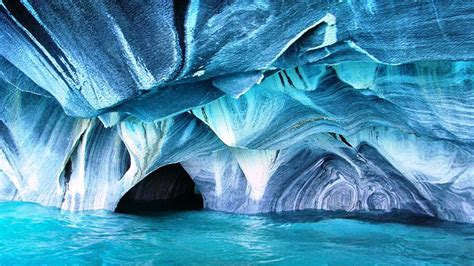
(169, 188)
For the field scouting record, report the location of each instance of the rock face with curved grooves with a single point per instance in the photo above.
(268, 105)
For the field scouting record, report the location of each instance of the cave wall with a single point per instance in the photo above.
(269, 106)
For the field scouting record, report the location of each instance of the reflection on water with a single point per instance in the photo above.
(33, 234)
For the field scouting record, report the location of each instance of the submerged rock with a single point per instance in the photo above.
(268, 105)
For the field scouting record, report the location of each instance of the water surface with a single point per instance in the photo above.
(33, 234)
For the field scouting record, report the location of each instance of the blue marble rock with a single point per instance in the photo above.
(268, 105)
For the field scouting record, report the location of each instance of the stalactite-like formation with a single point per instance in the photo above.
(268, 105)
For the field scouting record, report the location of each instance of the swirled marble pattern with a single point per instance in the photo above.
(332, 176)
(268, 105)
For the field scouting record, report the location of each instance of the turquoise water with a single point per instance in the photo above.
(31, 234)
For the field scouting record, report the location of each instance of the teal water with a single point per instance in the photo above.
(31, 234)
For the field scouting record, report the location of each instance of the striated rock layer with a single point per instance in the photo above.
(268, 105)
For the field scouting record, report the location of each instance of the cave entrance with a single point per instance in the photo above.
(169, 188)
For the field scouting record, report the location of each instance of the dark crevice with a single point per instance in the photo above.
(341, 138)
(297, 70)
(67, 172)
(180, 7)
(281, 79)
(126, 160)
(66, 177)
(345, 141)
(204, 115)
(289, 79)
(168, 188)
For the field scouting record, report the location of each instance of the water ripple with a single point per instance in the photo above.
(33, 234)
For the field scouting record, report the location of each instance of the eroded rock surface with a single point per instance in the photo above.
(268, 105)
